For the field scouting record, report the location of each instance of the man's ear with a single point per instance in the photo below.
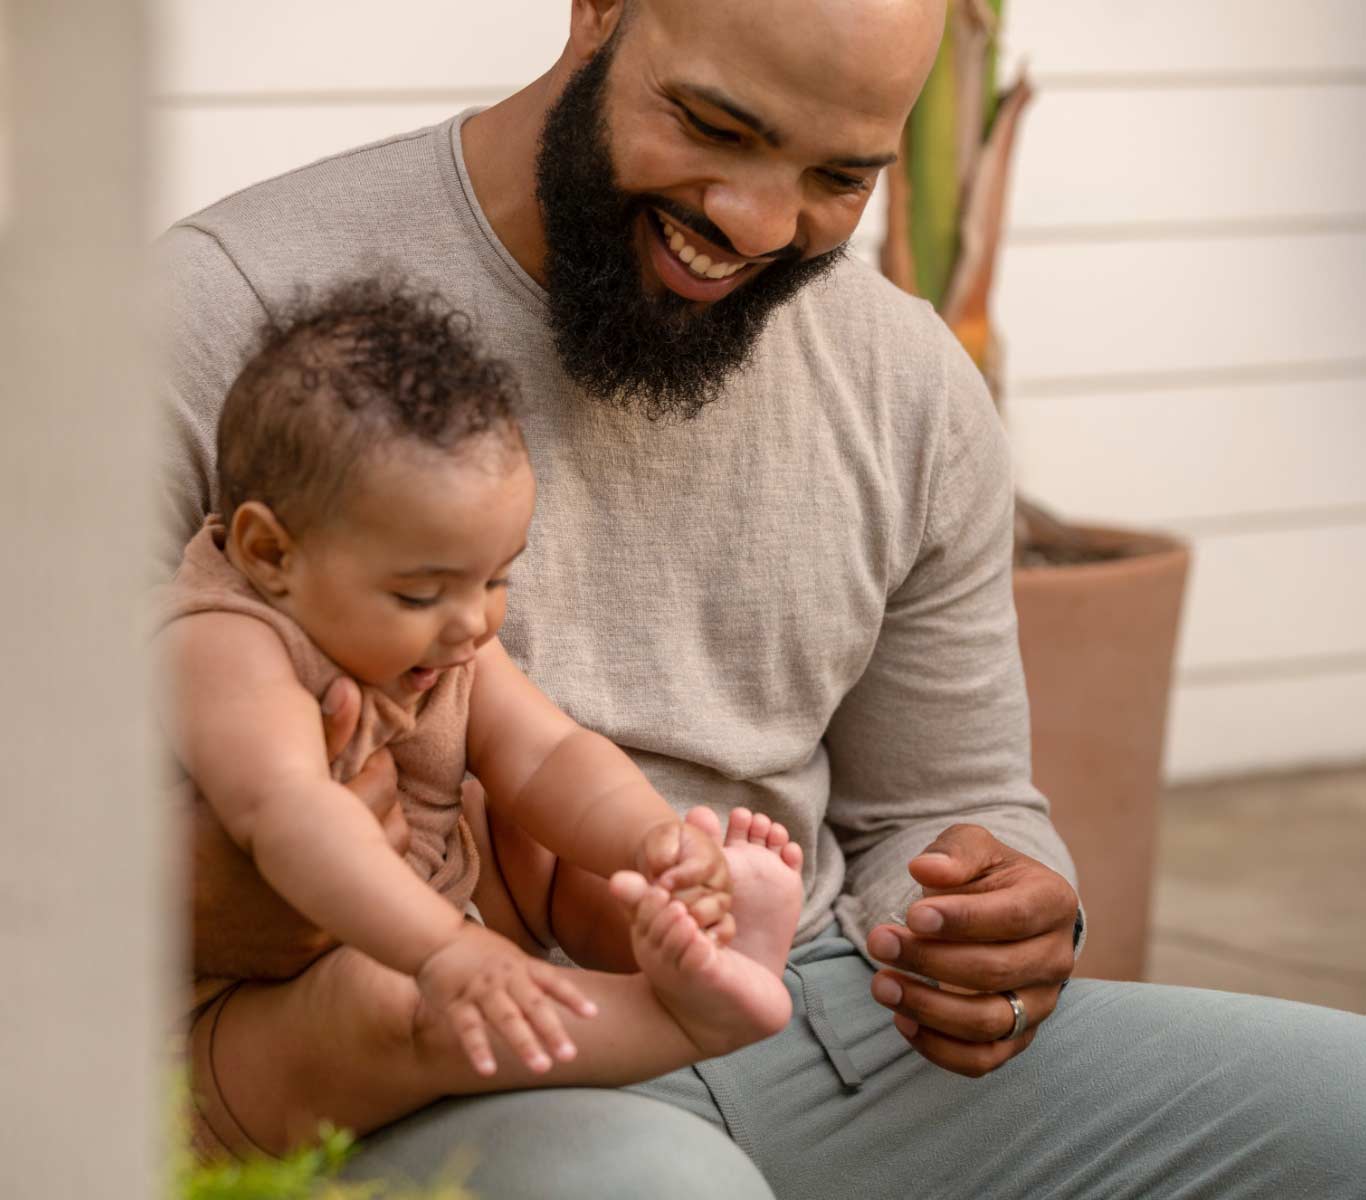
(261, 547)
(592, 23)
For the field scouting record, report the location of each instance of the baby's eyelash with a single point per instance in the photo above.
(415, 601)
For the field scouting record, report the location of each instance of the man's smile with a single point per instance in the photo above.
(689, 264)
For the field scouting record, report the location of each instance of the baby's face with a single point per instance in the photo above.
(411, 578)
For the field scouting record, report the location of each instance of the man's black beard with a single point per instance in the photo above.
(654, 353)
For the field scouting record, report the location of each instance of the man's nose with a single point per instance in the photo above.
(759, 217)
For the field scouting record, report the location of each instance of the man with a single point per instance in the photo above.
(771, 561)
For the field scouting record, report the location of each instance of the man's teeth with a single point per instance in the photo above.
(698, 264)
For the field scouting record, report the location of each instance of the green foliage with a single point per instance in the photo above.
(990, 96)
(307, 1174)
(940, 148)
(932, 169)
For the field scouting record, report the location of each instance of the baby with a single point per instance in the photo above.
(374, 491)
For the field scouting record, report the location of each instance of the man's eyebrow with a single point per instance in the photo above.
(720, 100)
(863, 160)
(766, 131)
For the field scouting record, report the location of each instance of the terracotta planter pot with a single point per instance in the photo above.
(1098, 641)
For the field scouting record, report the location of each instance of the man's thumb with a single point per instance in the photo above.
(341, 712)
(954, 858)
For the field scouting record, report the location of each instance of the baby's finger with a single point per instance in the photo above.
(505, 1015)
(557, 984)
(709, 908)
(474, 1038)
(540, 1010)
(662, 848)
(689, 873)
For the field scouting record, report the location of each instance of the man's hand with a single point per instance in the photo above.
(992, 920)
(242, 929)
(688, 862)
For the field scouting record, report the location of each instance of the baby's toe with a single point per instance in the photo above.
(737, 828)
(777, 837)
(629, 887)
(758, 830)
(791, 854)
(662, 919)
(680, 935)
(704, 819)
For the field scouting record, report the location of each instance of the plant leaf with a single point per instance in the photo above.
(965, 301)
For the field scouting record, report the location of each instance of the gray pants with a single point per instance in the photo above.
(1129, 1090)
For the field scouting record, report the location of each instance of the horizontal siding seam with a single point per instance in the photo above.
(328, 98)
(1232, 674)
(1284, 225)
(1289, 520)
(1044, 386)
(1114, 81)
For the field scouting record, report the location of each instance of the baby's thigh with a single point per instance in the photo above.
(273, 1061)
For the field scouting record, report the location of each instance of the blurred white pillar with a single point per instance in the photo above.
(82, 904)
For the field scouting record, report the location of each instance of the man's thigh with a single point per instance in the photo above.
(572, 1144)
(1128, 1090)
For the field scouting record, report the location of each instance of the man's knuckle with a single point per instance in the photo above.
(997, 975)
(1017, 911)
(1063, 962)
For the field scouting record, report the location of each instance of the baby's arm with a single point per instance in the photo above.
(581, 796)
(249, 735)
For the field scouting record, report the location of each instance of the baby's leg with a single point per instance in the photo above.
(336, 1044)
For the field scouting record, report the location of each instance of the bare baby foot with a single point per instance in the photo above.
(765, 869)
(721, 999)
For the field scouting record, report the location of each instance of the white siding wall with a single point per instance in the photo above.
(1183, 291)
(1184, 296)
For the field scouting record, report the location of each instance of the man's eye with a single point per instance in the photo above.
(847, 183)
(710, 131)
(415, 601)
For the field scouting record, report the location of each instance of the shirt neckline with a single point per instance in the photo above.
(457, 177)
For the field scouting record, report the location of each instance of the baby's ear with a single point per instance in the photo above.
(261, 547)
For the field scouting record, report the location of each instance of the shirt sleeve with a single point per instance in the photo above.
(209, 317)
(936, 731)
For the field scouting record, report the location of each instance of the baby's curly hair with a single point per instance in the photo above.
(365, 364)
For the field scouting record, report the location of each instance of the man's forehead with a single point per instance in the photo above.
(869, 55)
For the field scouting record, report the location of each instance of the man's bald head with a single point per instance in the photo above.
(869, 53)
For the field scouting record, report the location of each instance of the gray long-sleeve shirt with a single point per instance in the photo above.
(799, 602)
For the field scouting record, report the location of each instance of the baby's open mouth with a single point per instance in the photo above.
(422, 678)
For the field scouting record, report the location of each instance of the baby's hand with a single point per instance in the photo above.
(688, 863)
(481, 979)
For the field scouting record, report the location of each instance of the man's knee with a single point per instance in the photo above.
(567, 1143)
